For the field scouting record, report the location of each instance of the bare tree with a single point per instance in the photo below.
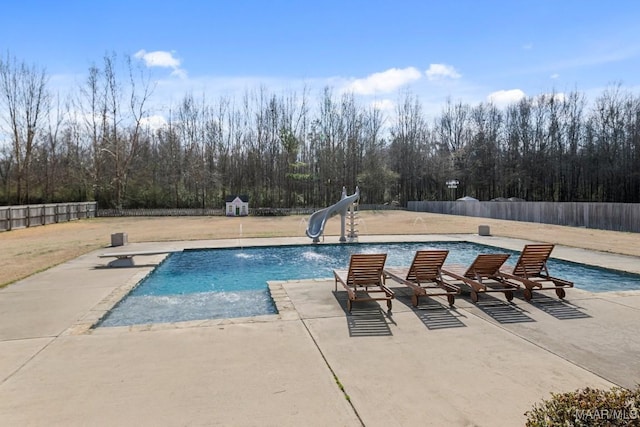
(408, 148)
(114, 112)
(376, 180)
(24, 96)
(50, 152)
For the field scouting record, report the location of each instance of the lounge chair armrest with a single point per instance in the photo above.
(388, 291)
(476, 285)
(450, 286)
(337, 276)
(530, 284)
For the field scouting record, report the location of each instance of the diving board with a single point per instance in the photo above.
(125, 259)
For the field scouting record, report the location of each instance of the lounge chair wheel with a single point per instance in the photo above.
(451, 299)
(528, 294)
(474, 296)
(561, 293)
(509, 295)
(414, 300)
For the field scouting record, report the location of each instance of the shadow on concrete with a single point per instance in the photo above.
(432, 313)
(366, 319)
(560, 309)
(109, 267)
(502, 311)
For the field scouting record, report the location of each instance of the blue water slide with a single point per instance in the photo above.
(318, 219)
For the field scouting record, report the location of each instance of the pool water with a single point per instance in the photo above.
(228, 283)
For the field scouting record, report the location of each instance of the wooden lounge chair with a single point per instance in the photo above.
(531, 270)
(364, 277)
(424, 276)
(483, 275)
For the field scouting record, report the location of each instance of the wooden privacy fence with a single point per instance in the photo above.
(160, 212)
(12, 217)
(603, 216)
(195, 212)
(222, 212)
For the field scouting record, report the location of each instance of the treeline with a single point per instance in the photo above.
(295, 150)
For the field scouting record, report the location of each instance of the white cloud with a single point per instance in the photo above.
(158, 58)
(384, 105)
(162, 59)
(180, 73)
(384, 82)
(153, 122)
(503, 98)
(555, 76)
(442, 71)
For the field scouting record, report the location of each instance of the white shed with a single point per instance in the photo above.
(237, 205)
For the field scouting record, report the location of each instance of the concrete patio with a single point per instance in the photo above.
(313, 363)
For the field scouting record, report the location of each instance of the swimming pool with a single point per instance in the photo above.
(227, 283)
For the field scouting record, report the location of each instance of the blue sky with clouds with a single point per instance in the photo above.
(470, 51)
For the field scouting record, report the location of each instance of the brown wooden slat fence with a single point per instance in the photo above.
(222, 212)
(159, 212)
(12, 217)
(603, 216)
(197, 212)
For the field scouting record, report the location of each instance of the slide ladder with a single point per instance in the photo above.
(352, 222)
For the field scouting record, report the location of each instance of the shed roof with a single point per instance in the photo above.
(242, 197)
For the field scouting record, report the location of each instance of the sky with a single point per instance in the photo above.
(468, 51)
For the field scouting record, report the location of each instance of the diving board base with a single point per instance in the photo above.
(122, 262)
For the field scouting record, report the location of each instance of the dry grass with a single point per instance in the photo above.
(27, 251)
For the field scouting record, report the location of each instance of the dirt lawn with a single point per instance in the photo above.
(24, 252)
